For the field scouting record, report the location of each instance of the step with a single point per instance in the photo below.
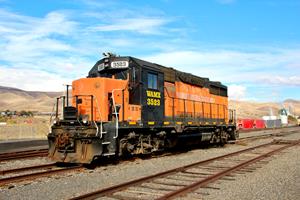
(108, 154)
(105, 142)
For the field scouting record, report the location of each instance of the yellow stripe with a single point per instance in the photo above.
(166, 123)
(206, 122)
(132, 123)
(178, 122)
(151, 123)
(214, 122)
(190, 123)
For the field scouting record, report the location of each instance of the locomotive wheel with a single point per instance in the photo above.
(223, 138)
(235, 135)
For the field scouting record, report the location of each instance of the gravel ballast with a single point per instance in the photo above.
(76, 183)
(279, 179)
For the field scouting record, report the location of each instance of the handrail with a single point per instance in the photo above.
(115, 109)
(92, 111)
(101, 123)
(56, 107)
(50, 121)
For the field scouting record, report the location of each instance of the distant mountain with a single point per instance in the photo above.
(16, 99)
(250, 109)
(291, 101)
(30, 93)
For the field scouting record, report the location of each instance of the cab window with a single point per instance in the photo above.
(152, 81)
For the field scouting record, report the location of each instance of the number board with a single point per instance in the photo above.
(153, 98)
(101, 67)
(119, 64)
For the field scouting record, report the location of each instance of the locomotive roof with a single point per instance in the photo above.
(170, 74)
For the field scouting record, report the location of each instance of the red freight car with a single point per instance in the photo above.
(246, 123)
(259, 123)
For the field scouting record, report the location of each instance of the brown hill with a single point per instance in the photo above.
(16, 99)
(250, 109)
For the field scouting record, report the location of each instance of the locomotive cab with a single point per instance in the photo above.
(116, 93)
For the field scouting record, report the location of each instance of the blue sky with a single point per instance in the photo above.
(251, 46)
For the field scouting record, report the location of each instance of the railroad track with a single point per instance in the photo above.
(256, 137)
(50, 169)
(43, 171)
(189, 181)
(265, 129)
(44, 152)
(23, 154)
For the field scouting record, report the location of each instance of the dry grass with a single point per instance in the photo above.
(24, 128)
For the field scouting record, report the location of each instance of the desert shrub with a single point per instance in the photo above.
(24, 113)
(292, 120)
(3, 119)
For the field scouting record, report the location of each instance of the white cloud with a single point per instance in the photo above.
(53, 23)
(141, 25)
(231, 66)
(53, 35)
(32, 80)
(237, 92)
(32, 38)
(293, 66)
(57, 46)
(281, 80)
(230, 58)
(36, 54)
(42, 53)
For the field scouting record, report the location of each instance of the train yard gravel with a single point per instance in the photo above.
(75, 183)
(23, 163)
(279, 179)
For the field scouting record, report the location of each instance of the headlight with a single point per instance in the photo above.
(85, 119)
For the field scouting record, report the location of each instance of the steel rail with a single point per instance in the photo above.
(110, 190)
(17, 170)
(3, 155)
(264, 129)
(254, 137)
(35, 175)
(221, 174)
(23, 154)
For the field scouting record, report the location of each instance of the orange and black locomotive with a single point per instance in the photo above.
(130, 106)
